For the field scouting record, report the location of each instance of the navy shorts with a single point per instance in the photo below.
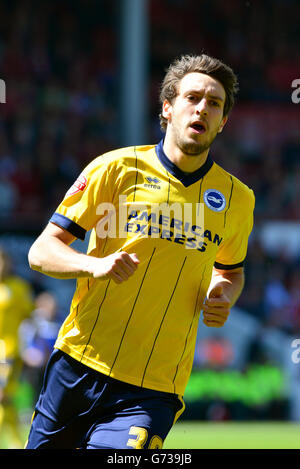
(79, 407)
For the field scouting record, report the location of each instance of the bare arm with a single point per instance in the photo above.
(52, 255)
(232, 282)
(224, 290)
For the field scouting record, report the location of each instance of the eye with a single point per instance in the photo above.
(215, 103)
(191, 97)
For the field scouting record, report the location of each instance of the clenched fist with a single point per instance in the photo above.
(117, 267)
(216, 308)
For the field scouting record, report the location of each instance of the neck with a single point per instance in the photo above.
(185, 162)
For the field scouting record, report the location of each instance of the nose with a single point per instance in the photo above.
(202, 107)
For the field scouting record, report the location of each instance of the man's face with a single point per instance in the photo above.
(196, 115)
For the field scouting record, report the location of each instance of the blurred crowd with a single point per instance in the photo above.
(58, 60)
(29, 323)
(60, 63)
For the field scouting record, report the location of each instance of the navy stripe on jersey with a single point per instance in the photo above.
(104, 245)
(225, 214)
(217, 265)
(163, 318)
(168, 201)
(200, 190)
(93, 328)
(69, 225)
(130, 316)
(186, 179)
(190, 328)
(136, 174)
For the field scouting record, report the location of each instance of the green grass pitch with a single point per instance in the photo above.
(233, 435)
(228, 435)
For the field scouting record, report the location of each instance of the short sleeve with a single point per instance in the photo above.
(232, 251)
(77, 213)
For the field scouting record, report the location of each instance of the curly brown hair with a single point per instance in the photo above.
(202, 64)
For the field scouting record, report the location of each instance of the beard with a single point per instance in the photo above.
(194, 148)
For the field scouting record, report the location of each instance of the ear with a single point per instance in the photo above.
(167, 110)
(223, 122)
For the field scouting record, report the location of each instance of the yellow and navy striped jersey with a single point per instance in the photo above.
(134, 199)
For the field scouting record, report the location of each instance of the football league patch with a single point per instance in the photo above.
(79, 185)
(214, 200)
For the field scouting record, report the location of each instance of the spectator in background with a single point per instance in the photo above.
(37, 336)
(8, 197)
(54, 104)
(294, 303)
(276, 299)
(15, 305)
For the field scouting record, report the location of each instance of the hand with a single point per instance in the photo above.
(216, 308)
(117, 267)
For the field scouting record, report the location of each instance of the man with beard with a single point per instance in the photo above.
(123, 356)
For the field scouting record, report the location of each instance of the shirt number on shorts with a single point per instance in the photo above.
(141, 435)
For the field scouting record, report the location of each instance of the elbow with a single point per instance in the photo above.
(34, 259)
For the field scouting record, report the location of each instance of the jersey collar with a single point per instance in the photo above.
(185, 179)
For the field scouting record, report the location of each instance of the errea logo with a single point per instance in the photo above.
(152, 183)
